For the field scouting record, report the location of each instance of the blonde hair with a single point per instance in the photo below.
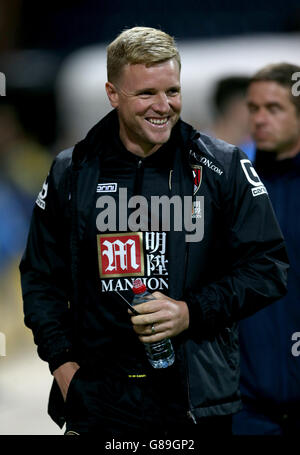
(139, 45)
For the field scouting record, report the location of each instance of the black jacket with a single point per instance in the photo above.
(238, 267)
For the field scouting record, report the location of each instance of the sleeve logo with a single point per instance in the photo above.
(42, 195)
(253, 178)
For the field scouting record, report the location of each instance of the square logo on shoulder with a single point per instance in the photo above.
(120, 254)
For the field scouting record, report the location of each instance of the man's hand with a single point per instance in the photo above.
(167, 316)
(63, 376)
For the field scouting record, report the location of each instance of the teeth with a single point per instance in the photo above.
(157, 121)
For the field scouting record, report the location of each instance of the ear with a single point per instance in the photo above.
(112, 94)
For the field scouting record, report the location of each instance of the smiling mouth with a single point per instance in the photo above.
(158, 121)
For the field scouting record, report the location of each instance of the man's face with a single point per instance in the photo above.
(148, 100)
(274, 121)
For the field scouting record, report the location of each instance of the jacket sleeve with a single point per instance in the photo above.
(257, 262)
(44, 275)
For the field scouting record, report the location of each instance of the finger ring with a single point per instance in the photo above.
(152, 329)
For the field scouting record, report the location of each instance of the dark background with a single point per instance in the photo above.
(70, 24)
(37, 36)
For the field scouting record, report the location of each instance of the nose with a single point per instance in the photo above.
(161, 103)
(260, 117)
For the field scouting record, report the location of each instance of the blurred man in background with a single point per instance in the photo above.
(270, 367)
(231, 118)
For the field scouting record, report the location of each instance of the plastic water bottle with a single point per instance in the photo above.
(160, 354)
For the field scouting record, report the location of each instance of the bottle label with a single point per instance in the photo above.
(162, 349)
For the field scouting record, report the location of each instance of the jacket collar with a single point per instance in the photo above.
(92, 144)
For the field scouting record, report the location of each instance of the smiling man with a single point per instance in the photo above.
(270, 373)
(148, 101)
(77, 271)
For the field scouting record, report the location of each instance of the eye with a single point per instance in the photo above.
(145, 94)
(173, 91)
(274, 109)
(252, 109)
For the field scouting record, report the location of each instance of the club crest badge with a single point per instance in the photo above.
(197, 177)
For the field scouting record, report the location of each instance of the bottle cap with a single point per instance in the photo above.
(138, 286)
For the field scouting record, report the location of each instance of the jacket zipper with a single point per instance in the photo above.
(189, 413)
(138, 177)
